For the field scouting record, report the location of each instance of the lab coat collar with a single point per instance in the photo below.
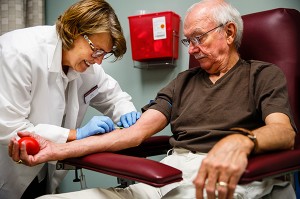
(55, 55)
(72, 74)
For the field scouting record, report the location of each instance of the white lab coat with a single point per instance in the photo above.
(35, 95)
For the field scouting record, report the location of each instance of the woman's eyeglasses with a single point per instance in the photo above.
(97, 52)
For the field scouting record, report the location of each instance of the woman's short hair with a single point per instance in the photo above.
(91, 17)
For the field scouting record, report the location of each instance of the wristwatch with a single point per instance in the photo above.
(249, 134)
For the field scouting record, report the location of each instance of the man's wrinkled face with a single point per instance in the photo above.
(207, 41)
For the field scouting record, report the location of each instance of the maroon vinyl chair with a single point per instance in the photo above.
(271, 36)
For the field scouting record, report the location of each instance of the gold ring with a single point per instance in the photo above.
(222, 184)
(19, 162)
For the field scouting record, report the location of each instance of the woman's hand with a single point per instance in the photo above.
(129, 119)
(97, 125)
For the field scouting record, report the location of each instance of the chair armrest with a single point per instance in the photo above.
(271, 165)
(155, 145)
(133, 168)
(261, 166)
(122, 164)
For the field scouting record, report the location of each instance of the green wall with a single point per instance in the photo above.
(142, 84)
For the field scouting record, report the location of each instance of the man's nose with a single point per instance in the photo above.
(193, 48)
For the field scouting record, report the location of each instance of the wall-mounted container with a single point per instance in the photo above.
(154, 36)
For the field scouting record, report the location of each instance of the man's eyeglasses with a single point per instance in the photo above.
(97, 52)
(198, 39)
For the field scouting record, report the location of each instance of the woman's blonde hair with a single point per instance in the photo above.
(90, 17)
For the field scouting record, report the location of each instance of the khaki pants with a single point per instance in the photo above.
(189, 163)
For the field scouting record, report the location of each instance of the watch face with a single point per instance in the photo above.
(252, 137)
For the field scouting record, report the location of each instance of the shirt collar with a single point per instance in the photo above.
(72, 74)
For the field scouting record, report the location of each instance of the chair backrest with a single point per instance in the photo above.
(274, 36)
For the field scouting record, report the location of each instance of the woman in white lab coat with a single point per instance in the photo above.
(49, 75)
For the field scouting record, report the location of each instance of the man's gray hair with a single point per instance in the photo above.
(222, 13)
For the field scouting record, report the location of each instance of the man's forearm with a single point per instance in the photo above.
(278, 134)
(151, 122)
(274, 137)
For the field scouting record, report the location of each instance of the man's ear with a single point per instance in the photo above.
(231, 30)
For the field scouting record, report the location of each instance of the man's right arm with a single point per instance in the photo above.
(151, 122)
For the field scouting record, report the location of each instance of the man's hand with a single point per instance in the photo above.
(129, 119)
(19, 154)
(98, 124)
(221, 170)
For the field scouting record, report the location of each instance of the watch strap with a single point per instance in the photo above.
(249, 134)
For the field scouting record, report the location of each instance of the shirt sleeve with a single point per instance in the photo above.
(163, 101)
(270, 89)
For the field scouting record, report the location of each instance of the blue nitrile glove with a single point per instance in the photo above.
(98, 124)
(129, 119)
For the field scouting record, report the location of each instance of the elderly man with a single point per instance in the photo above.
(219, 114)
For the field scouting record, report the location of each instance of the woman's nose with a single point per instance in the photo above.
(99, 60)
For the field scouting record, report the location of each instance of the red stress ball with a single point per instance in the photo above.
(32, 146)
